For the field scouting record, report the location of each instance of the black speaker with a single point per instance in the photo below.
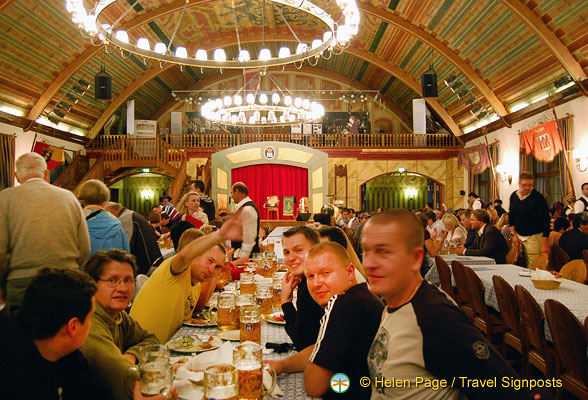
(103, 86)
(303, 217)
(429, 84)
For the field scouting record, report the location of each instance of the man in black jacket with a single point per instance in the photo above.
(529, 219)
(576, 239)
(489, 242)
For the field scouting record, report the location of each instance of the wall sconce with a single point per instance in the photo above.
(503, 174)
(147, 194)
(580, 154)
(410, 193)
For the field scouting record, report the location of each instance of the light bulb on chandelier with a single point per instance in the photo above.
(334, 40)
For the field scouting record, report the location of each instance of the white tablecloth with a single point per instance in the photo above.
(571, 294)
(433, 276)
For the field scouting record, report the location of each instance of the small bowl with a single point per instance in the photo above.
(546, 284)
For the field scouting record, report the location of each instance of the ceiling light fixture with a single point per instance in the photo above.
(336, 38)
(261, 108)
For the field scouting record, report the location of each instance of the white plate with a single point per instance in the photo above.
(525, 273)
(214, 342)
(232, 335)
(271, 319)
(204, 324)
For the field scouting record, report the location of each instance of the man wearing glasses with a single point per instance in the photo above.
(114, 340)
(529, 219)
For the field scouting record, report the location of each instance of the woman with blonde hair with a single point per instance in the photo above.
(189, 207)
(456, 235)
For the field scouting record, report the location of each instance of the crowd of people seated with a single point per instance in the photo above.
(361, 307)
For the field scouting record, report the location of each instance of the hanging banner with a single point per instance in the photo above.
(474, 158)
(53, 155)
(543, 141)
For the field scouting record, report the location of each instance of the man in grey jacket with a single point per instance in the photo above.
(33, 232)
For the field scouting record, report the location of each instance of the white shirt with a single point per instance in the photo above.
(477, 204)
(248, 218)
(579, 205)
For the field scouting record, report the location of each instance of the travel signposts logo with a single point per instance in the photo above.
(339, 383)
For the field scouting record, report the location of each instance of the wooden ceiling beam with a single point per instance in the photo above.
(4, 4)
(123, 96)
(549, 39)
(91, 51)
(410, 82)
(468, 71)
(404, 117)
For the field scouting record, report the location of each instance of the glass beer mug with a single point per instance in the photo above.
(226, 309)
(242, 300)
(247, 283)
(250, 322)
(277, 289)
(247, 359)
(263, 294)
(156, 377)
(221, 382)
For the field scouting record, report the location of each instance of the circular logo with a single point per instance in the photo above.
(340, 383)
(269, 152)
(481, 350)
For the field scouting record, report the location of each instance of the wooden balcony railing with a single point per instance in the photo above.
(121, 151)
(71, 176)
(220, 140)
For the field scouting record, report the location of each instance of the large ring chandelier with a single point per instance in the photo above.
(336, 38)
(262, 108)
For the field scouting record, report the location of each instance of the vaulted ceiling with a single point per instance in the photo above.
(503, 51)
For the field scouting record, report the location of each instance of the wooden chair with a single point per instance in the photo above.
(575, 270)
(484, 320)
(511, 318)
(570, 348)
(540, 262)
(445, 277)
(539, 354)
(463, 293)
(558, 257)
(272, 206)
(513, 255)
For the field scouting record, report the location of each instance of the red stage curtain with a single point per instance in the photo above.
(264, 180)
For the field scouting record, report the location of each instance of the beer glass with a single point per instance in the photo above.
(221, 382)
(226, 308)
(242, 300)
(250, 321)
(156, 377)
(263, 294)
(270, 245)
(247, 359)
(225, 274)
(153, 352)
(277, 289)
(247, 283)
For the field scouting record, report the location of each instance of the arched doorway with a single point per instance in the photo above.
(407, 190)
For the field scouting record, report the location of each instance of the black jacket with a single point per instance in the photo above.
(491, 244)
(573, 242)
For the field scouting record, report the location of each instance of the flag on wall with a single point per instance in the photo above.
(53, 155)
(474, 158)
(543, 141)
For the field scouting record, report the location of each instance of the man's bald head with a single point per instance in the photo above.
(113, 208)
(414, 233)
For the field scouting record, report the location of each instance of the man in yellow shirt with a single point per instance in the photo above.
(171, 293)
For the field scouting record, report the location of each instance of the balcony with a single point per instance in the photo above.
(221, 140)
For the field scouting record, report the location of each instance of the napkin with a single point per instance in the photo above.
(542, 275)
(222, 355)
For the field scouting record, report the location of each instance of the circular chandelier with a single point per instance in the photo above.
(335, 39)
(262, 108)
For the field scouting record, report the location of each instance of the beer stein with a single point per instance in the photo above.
(263, 294)
(226, 308)
(247, 358)
(250, 324)
(156, 377)
(221, 382)
(247, 283)
(277, 289)
(153, 352)
(242, 300)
